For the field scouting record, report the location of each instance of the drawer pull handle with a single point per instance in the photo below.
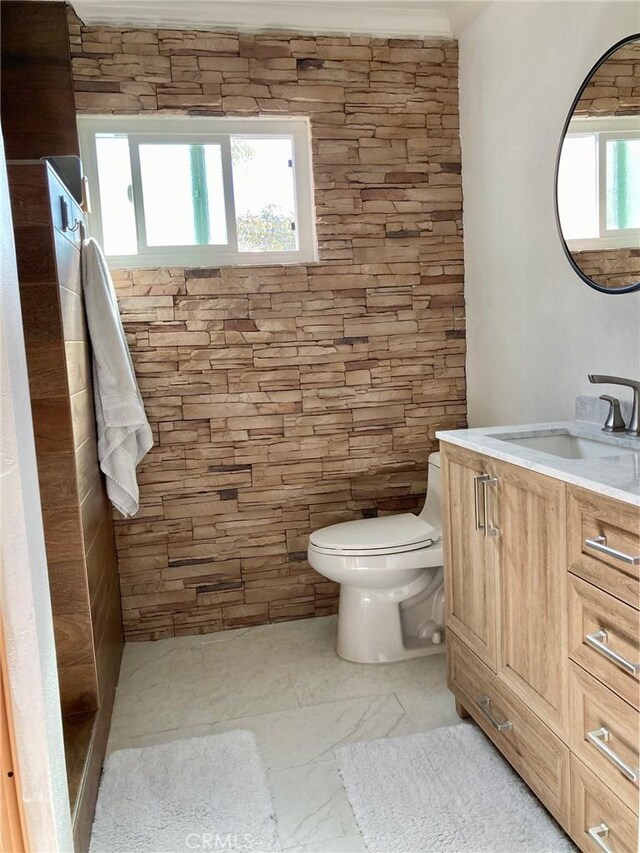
(479, 481)
(490, 528)
(598, 834)
(600, 544)
(484, 703)
(599, 739)
(598, 641)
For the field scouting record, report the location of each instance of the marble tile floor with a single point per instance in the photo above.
(286, 684)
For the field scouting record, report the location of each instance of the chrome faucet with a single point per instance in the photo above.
(634, 423)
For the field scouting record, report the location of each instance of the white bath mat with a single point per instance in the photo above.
(207, 793)
(443, 790)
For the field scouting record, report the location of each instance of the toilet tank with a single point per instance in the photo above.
(432, 510)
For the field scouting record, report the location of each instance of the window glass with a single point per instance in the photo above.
(263, 185)
(182, 194)
(116, 197)
(182, 190)
(623, 183)
(215, 193)
(578, 187)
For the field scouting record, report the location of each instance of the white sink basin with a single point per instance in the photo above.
(570, 446)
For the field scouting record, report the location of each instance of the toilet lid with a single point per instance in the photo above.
(389, 531)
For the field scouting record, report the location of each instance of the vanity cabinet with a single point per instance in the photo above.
(543, 638)
(505, 544)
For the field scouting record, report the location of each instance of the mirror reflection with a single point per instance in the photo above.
(598, 186)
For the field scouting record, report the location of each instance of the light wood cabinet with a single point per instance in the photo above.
(604, 735)
(590, 517)
(530, 551)
(528, 589)
(597, 815)
(604, 638)
(470, 567)
(540, 757)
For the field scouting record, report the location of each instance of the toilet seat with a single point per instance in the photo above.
(393, 534)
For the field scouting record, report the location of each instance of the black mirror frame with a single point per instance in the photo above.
(629, 288)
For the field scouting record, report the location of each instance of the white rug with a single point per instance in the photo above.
(443, 790)
(207, 793)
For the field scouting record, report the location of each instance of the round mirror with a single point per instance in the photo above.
(598, 173)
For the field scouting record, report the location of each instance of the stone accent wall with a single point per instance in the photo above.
(614, 90)
(286, 398)
(610, 267)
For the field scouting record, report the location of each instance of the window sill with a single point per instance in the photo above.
(597, 244)
(197, 261)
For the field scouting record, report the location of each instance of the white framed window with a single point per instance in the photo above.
(199, 191)
(599, 183)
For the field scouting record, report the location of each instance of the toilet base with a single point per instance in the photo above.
(370, 628)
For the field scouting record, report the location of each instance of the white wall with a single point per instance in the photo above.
(24, 587)
(534, 328)
(370, 17)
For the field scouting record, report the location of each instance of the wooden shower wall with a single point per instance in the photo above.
(38, 120)
(77, 518)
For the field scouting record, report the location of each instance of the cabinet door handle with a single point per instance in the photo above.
(598, 641)
(478, 482)
(599, 738)
(599, 543)
(489, 527)
(484, 703)
(598, 834)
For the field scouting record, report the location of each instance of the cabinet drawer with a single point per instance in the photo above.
(604, 735)
(596, 813)
(604, 638)
(611, 524)
(534, 751)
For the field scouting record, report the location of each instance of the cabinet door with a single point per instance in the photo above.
(469, 554)
(529, 512)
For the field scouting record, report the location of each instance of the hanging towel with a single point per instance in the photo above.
(124, 434)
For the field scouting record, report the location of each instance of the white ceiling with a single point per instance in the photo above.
(417, 18)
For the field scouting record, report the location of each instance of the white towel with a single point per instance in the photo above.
(124, 434)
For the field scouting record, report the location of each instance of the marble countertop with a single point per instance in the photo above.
(616, 476)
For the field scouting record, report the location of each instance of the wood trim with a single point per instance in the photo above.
(13, 835)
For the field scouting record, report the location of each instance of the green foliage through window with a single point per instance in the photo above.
(266, 230)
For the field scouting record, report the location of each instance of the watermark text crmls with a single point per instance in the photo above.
(219, 841)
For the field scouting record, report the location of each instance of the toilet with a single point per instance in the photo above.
(390, 571)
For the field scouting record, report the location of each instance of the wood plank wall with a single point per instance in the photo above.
(77, 519)
(38, 113)
(38, 120)
(78, 527)
(37, 243)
